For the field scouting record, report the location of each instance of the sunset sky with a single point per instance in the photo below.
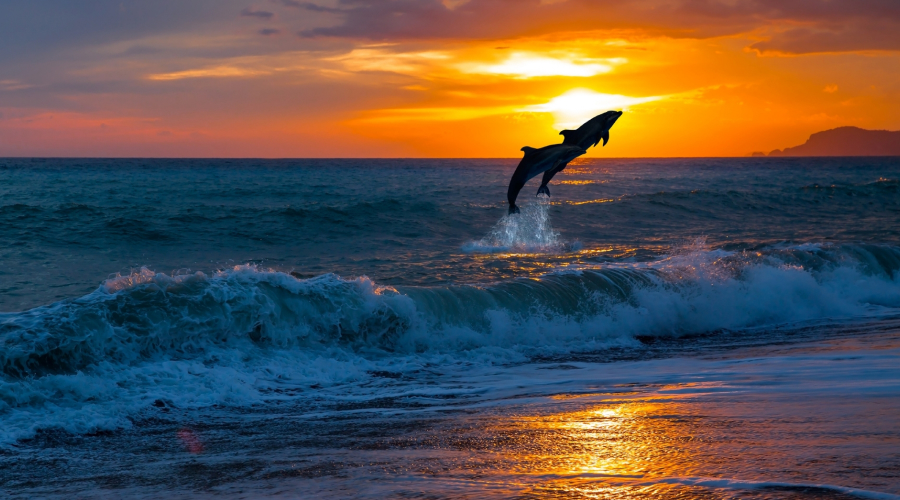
(432, 78)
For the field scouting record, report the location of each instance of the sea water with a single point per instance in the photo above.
(686, 328)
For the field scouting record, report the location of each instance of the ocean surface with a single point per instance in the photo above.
(673, 328)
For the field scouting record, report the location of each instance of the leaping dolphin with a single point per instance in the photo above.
(587, 135)
(536, 161)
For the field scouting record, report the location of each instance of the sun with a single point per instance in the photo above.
(576, 106)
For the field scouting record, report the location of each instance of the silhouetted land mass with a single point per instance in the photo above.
(846, 141)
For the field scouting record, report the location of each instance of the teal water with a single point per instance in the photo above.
(143, 296)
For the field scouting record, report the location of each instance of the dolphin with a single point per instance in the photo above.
(587, 135)
(536, 161)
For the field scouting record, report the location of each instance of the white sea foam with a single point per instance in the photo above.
(235, 337)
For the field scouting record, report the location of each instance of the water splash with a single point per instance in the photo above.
(528, 231)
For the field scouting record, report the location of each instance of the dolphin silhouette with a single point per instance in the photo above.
(587, 135)
(536, 161)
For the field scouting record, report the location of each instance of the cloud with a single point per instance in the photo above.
(31, 31)
(217, 72)
(456, 113)
(793, 26)
(11, 85)
(379, 58)
(858, 36)
(252, 12)
(269, 31)
(308, 6)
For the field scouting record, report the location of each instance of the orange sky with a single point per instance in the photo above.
(425, 78)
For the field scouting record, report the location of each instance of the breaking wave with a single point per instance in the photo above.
(249, 335)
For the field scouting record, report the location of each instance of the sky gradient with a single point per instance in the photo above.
(431, 78)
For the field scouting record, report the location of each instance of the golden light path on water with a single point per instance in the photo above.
(613, 448)
(773, 423)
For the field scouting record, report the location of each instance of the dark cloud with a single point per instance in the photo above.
(308, 6)
(414, 19)
(268, 31)
(31, 28)
(140, 50)
(853, 37)
(819, 25)
(262, 14)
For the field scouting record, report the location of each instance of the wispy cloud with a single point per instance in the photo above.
(381, 58)
(261, 14)
(433, 114)
(14, 85)
(309, 6)
(216, 72)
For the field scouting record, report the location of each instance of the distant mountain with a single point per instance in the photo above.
(847, 141)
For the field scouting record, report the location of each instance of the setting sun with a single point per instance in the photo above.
(577, 106)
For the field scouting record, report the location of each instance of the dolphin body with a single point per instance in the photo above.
(537, 161)
(587, 135)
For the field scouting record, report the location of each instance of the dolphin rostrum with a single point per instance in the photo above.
(587, 135)
(537, 161)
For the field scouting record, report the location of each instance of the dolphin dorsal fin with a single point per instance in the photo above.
(528, 150)
(566, 136)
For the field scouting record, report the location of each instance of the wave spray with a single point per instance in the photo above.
(528, 231)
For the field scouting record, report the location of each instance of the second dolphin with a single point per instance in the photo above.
(538, 161)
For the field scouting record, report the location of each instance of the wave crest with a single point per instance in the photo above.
(239, 334)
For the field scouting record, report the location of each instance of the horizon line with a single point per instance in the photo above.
(412, 157)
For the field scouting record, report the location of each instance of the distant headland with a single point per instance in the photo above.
(845, 141)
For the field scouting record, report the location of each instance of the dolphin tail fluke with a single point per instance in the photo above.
(543, 189)
(567, 136)
(512, 194)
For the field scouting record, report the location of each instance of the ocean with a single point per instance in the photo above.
(666, 328)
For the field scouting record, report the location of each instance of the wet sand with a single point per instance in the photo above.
(810, 420)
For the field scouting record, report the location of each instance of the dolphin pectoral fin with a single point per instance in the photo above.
(557, 168)
(605, 137)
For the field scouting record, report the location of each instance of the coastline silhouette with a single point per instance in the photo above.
(845, 141)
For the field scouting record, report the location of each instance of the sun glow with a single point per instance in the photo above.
(530, 65)
(579, 105)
